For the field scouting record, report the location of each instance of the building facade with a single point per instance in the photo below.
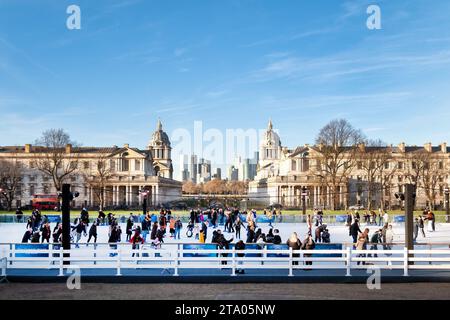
(282, 174)
(113, 176)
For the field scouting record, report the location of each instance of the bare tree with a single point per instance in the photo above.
(429, 177)
(56, 159)
(190, 187)
(10, 179)
(99, 177)
(372, 157)
(386, 176)
(337, 144)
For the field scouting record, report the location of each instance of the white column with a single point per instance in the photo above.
(139, 196)
(157, 194)
(315, 195)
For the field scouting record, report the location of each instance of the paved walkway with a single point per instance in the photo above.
(261, 275)
(241, 291)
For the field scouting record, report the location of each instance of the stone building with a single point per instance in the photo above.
(129, 171)
(283, 172)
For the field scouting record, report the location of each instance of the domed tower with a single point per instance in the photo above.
(270, 147)
(159, 147)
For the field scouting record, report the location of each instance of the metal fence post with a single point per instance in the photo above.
(61, 261)
(233, 269)
(50, 252)
(12, 252)
(119, 256)
(405, 261)
(175, 273)
(290, 263)
(4, 266)
(348, 257)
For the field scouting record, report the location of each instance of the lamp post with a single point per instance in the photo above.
(144, 193)
(304, 194)
(447, 204)
(66, 196)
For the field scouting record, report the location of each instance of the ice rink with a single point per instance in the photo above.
(13, 232)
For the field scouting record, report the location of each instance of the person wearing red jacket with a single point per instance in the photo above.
(136, 240)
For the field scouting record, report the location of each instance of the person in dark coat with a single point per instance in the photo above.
(154, 231)
(35, 237)
(57, 233)
(27, 235)
(19, 215)
(308, 244)
(93, 232)
(46, 232)
(354, 231)
(276, 237)
(223, 244)
(257, 234)
(129, 227)
(250, 234)
(240, 246)
(204, 229)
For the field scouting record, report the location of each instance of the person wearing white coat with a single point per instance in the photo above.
(389, 241)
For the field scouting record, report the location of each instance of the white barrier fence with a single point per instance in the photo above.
(174, 258)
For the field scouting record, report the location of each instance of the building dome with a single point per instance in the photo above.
(270, 139)
(159, 137)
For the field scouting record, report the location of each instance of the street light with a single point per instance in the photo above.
(447, 204)
(144, 193)
(304, 194)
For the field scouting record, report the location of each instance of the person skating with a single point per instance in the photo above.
(178, 226)
(136, 240)
(27, 235)
(46, 232)
(355, 231)
(93, 232)
(129, 227)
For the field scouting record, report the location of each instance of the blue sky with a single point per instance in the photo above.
(230, 64)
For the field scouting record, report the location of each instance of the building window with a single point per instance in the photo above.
(137, 165)
(400, 165)
(386, 165)
(31, 190)
(294, 165)
(359, 165)
(441, 165)
(86, 165)
(31, 178)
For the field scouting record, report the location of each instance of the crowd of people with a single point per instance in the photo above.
(153, 228)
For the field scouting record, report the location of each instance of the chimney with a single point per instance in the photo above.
(126, 145)
(401, 146)
(68, 148)
(428, 147)
(28, 148)
(444, 147)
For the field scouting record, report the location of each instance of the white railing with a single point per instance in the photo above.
(174, 257)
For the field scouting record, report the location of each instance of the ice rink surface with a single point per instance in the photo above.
(13, 232)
